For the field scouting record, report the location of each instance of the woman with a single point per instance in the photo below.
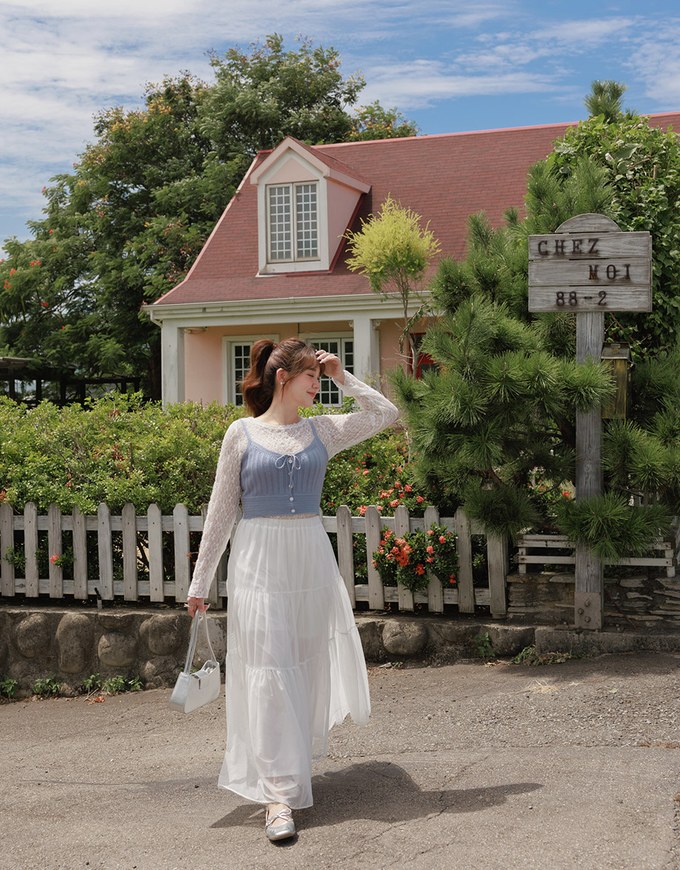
(295, 665)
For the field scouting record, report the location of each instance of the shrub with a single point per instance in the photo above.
(46, 687)
(8, 687)
(408, 559)
(120, 450)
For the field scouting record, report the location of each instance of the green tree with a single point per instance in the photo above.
(393, 250)
(493, 429)
(375, 122)
(641, 165)
(125, 226)
(605, 99)
(260, 98)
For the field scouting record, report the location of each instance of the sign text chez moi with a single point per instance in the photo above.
(590, 271)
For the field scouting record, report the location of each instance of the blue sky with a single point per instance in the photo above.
(449, 65)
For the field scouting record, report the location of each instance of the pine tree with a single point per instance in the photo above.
(493, 429)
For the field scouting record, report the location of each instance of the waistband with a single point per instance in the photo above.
(280, 505)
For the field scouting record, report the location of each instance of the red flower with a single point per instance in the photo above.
(408, 488)
(429, 549)
(362, 510)
(420, 500)
(420, 569)
(54, 558)
(430, 532)
(394, 502)
(45, 304)
(442, 539)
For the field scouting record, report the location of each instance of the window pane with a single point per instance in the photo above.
(348, 355)
(329, 394)
(280, 231)
(240, 363)
(306, 224)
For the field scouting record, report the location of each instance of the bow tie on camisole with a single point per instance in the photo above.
(279, 484)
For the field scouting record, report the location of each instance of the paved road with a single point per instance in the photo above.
(573, 765)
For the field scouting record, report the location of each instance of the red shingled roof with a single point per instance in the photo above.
(445, 178)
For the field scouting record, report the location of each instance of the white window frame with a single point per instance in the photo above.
(293, 259)
(341, 337)
(228, 342)
(306, 173)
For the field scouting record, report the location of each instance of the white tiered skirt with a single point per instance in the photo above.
(295, 665)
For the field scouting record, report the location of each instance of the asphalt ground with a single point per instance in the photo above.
(470, 765)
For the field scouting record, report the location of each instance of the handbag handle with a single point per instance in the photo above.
(197, 620)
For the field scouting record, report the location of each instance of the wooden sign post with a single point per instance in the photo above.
(589, 267)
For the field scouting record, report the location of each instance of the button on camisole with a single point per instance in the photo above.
(276, 484)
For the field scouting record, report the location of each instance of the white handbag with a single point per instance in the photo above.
(193, 690)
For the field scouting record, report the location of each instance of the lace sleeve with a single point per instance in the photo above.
(222, 508)
(339, 431)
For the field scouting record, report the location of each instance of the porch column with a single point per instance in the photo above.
(172, 363)
(366, 349)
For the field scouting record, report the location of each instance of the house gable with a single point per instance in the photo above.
(294, 178)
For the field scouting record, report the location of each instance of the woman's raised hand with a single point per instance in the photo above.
(331, 364)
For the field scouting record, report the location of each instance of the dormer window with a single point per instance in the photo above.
(292, 222)
(306, 200)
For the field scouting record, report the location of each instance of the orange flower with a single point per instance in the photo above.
(420, 569)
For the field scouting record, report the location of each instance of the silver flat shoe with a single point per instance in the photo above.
(284, 830)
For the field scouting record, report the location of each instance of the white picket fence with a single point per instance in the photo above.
(117, 576)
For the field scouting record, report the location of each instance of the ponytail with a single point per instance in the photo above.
(258, 385)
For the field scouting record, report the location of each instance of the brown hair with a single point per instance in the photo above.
(292, 355)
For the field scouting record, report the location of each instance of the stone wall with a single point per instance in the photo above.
(642, 600)
(71, 645)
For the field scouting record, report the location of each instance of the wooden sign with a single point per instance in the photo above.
(586, 270)
(589, 267)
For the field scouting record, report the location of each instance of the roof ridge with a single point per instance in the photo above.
(556, 125)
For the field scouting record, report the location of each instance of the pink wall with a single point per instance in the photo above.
(342, 201)
(203, 375)
(290, 170)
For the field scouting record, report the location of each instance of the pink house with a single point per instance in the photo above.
(275, 263)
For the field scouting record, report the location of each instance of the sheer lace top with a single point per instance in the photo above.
(336, 432)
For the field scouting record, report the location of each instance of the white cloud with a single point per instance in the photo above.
(656, 61)
(66, 61)
(423, 83)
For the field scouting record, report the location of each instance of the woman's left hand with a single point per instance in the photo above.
(196, 604)
(331, 365)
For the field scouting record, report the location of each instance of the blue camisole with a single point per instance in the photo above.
(278, 484)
